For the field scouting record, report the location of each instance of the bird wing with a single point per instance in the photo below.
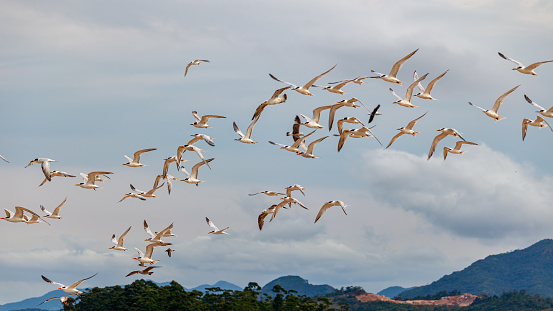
(195, 114)
(501, 98)
(394, 93)
(149, 250)
(477, 106)
(310, 83)
(435, 143)
(534, 65)
(197, 166)
(399, 63)
(277, 93)
(507, 58)
(250, 128)
(122, 237)
(57, 209)
(45, 210)
(343, 137)
(237, 130)
(92, 175)
(533, 103)
(311, 146)
(74, 285)
(409, 92)
(211, 224)
(431, 84)
(46, 169)
(139, 152)
(148, 231)
(412, 123)
(373, 113)
(323, 209)
(461, 143)
(394, 139)
(297, 143)
(275, 78)
(419, 85)
(317, 112)
(52, 282)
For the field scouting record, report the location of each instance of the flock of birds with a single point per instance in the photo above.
(298, 145)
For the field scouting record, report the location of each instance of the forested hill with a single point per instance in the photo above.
(299, 285)
(530, 269)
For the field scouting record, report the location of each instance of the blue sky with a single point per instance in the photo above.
(85, 83)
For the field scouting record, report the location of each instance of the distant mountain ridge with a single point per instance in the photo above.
(530, 269)
(301, 286)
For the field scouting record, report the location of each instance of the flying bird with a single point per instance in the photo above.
(198, 137)
(169, 251)
(537, 123)
(328, 205)
(146, 194)
(215, 229)
(294, 187)
(265, 213)
(19, 216)
(132, 195)
(91, 178)
(118, 244)
(337, 88)
(406, 130)
(145, 258)
(309, 152)
(63, 299)
(202, 122)
(425, 94)
(444, 132)
(295, 147)
(296, 133)
(193, 177)
(247, 139)
(54, 214)
(374, 113)
(546, 113)
(56, 174)
(45, 164)
(392, 76)
(182, 149)
(314, 122)
(354, 133)
(492, 113)
(267, 192)
(303, 89)
(529, 70)
(351, 120)
(274, 100)
(340, 104)
(156, 238)
(135, 161)
(68, 289)
(1, 157)
(147, 271)
(457, 148)
(195, 62)
(406, 102)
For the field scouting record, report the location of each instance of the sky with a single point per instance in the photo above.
(86, 83)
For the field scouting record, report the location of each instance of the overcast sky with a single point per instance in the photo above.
(85, 83)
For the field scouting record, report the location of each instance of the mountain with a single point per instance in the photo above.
(34, 302)
(301, 286)
(392, 291)
(530, 269)
(221, 284)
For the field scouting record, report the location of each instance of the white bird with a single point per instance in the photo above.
(444, 132)
(247, 139)
(358, 80)
(19, 216)
(354, 133)
(295, 147)
(145, 258)
(303, 89)
(546, 113)
(537, 123)
(274, 100)
(45, 164)
(146, 271)
(294, 187)
(309, 152)
(283, 202)
(215, 229)
(267, 192)
(68, 289)
(406, 102)
(118, 244)
(425, 94)
(63, 299)
(169, 179)
(193, 176)
(314, 122)
(329, 204)
(492, 113)
(33, 220)
(457, 148)
(56, 174)
(54, 214)
(529, 70)
(195, 62)
(147, 194)
(90, 179)
(156, 238)
(182, 149)
(338, 87)
(340, 123)
(202, 122)
(340, 104)
(198, 137)
(392, 76)
(132, 195)
(135, 161)
(264, 213)
(406, 130)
